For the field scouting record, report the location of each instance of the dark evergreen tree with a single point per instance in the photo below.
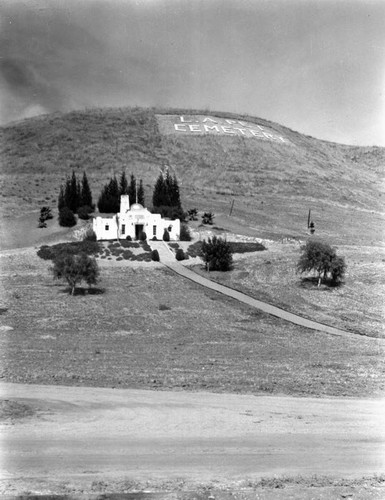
(109, 199)
(158, 194)
(174, 193)
(86, 195)
(61, 203)
(132, 190)
(123, 183)
(141, 193)
(166, 192)
(71, 193)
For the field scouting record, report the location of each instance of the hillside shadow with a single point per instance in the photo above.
(80, 290)
(312, 282)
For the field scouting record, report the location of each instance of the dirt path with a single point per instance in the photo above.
(82, 435)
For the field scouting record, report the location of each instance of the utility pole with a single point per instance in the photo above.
(231, 209)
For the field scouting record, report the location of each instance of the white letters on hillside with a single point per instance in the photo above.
(202, 125)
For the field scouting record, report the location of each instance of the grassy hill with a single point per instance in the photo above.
(273, 185)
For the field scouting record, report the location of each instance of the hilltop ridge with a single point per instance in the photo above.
(273, 184)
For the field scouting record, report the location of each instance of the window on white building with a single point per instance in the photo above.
(154, 230)
(107, 227)
(123, 228)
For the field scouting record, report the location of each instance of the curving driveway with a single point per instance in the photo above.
(167, 258)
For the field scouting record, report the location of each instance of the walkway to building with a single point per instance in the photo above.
(167, 258)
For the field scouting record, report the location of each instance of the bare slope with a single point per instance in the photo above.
(273, 184)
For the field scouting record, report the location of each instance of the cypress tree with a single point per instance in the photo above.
(86, 195)
(175, 194)
(123, 183)
(72, 193)
(158, 194)
(141, 193)
(132, 190)
(109, 199)
(61, 202)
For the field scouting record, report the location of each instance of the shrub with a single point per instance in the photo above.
(90, 235)
(166, 235)
(243, 247)
(154, 238)
(185, 234)
(146, 246)
(207, 218)
(45, 213)
(142, 236)
(66, 217)
(217, 254)
(180, 254)
(52, 252)
(192, 214)
(195, 250)
(45, 252)
(155, 255)
(128, 238)
(84, 212)
(129, 244)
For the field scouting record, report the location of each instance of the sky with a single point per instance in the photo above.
(316, 66)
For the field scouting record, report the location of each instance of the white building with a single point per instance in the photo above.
(131, 221)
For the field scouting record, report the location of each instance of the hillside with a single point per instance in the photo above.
(273, 184)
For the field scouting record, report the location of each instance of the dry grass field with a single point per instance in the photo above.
(151, 329)
(357, 305)
(144, 327)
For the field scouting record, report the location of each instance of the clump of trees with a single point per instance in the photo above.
(217, 255)
(322, 259)
(75, 269)
(109, 199)
(73, 195)
(166, 197)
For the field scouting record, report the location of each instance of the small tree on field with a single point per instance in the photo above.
(207, 218)
(192, 214)
(217, 254)
(321, 258)
(75, 269)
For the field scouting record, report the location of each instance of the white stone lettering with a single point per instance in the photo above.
(228, 130)
(242, 130)
(182, 119)
(256, 133)
(214, 127)
(201, 124)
